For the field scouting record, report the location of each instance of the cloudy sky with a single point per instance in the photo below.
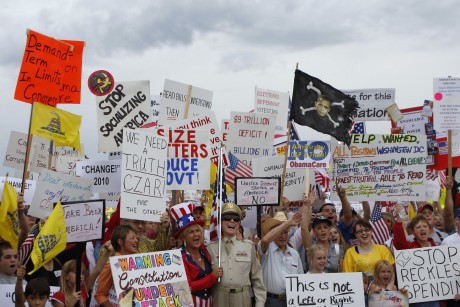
(230, 47)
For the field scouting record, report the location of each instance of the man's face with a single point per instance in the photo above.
(9, 262)
(282, 239)
(428, 214)
(330, 212)
(137, 225)
(230, 225)
(323, 106)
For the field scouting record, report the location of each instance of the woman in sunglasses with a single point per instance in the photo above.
(363, 257)
(241, 268)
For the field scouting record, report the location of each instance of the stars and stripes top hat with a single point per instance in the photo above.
(182, 214)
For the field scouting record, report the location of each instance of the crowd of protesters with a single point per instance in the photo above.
(249, 272)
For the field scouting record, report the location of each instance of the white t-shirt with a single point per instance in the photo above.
(452, 239)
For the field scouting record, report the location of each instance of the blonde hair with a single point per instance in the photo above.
(342, 242)
(187, 230)
(378, 266)
(312, 250)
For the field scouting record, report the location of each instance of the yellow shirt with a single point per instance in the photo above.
(354, 262)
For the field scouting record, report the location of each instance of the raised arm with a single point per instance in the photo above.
(346, 207)
(448, 211)
(275, 232)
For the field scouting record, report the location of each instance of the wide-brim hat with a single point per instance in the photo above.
(271, 223)
(182, 214)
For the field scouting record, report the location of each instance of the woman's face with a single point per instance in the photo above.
(335, 237)
(363, 234)
(385, 275)
(193, 237)
(129, 245)
(420, 231)
(319, 261)
(321, 231)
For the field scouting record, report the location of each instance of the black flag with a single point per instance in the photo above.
(322, 107)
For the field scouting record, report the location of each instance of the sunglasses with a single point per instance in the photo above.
(228, 218)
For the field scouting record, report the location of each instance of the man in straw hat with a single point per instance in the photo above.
(278, 259)
(242, 269)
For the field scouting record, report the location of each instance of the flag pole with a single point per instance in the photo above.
(27, 157)
(285, 163)
(219, 208)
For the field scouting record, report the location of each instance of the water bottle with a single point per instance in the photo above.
(401, 211)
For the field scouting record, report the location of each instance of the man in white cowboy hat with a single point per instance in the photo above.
(242, 269)
(278, 259)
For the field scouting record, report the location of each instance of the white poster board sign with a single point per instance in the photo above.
(8, 295)
(388, 299)
(174, 101)
(273, 102)
(413, 121)
(127, 105)
(160, 272)
(429, 273)
(84, 221)
(143, 175)
(29, 188)
(16, 150)
(257, 191)
(67, 165)
(105, 175)
(372, 103)
(333, 289)
(252, 128)
(379, 167)
(446, 106)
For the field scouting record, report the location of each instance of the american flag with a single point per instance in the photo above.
(442, 179)
(322, 178)
(431, 174)
(358, 128)
(28, 244)
(380, 230)
(213, 235)
(236, 168)
(442, 148)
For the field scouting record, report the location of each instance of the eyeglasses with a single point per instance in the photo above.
(365, 230)
(228, 218)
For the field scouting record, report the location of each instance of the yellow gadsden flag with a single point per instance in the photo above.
(57, 125)
(51, 240)
(9, 222)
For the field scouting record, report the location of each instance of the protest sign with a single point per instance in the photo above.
(180, 101)
(8, 294)
(16, 150)
(381, 167)
(206, 121)
(155, 101)
(71, 81)
(158, 279)
(324, 290)
(252, 128)
(262, 191)
(188, 159)
(273, 102)
(84, 221)
(67, 165)
(105, 175)
(52, 187)
(42, 70)
(29, 188)
(413, 121)
(388, 299)
(446, 106)
(372, 103)
(294, 182)
(429, 273)
(225, 127)
(309, 154)
(433, 189)
(127, 105)
(143, 175)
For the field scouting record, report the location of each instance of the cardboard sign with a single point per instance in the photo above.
(309, 154)
(127, 105)
(84, 221)
(52, 187)
(16, 150)
(273, 102)
(71, 81)
(42, 70)
(106, 175)
(446, 106)
(67, 165)
(433, 189)
(388, 299)
(413, 121)
(372, 103)
(8, 295)
(257, 191)
(252, 128)
(429, 273)
(323, 290)
(381, 167)
(295, 181)
(143, 175)
(29, 188)
(174, 101)
(158, 279)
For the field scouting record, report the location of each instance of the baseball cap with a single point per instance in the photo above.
(425, 206)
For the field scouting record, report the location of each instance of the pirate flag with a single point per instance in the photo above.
(320, 106)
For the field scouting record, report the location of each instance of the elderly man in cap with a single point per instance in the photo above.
(242, 269)
(278, 259)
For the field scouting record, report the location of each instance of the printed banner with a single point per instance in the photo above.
(388, 299)
(372, 103)
(29, 188)
(52, 187)
(127, 105)
(429, 273)
(257, 191)
(42, 70)
(294, 183)
(143, 175)
(105, 175)
(381, 167)
(84, 221)
(309, 154)
(333, 289)
(273, 102)
(158, 279)
(174, 101)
